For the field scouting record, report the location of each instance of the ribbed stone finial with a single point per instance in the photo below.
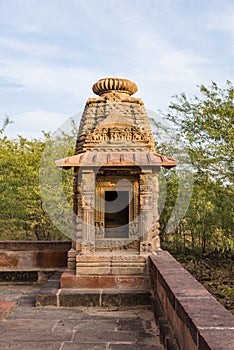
(108, 85)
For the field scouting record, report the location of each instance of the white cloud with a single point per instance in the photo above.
(223, 21)
(31, 124)
(48, 78)
(146, 46)
(29, 47)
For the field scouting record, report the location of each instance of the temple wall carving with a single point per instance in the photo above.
(91, 133)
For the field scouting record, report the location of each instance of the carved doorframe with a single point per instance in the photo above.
(109, 183)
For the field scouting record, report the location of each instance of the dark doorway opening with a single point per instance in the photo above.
(116, 214)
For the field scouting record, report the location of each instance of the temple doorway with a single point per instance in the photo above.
(116, 214)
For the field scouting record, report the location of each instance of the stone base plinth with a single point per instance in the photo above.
(113, 264)
(69, 279)
(116, 270)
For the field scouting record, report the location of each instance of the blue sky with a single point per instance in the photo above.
(52, 51)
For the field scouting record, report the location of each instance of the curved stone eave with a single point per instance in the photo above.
(120, 159)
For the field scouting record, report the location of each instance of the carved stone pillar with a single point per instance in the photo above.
(154, 232)
(78, 211)
(155, 195)
(146, 210)
(88, 208)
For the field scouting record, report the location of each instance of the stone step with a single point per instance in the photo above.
(69, 279)
(52, 295)
(92, 297)
(103, 297)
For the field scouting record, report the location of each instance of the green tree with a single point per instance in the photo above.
(22, 211)
(206, 123)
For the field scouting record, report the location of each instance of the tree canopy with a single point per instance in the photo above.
(23, 214)
(206, 123)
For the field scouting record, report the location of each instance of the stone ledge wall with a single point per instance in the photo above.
(198, 320)
(33, 255)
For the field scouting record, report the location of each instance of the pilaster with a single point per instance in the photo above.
(88, 205)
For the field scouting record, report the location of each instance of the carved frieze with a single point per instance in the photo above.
(116, 134)
(116, 244)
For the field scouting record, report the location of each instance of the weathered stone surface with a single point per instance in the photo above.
(110, 337)
(71, 259)
(30, 328)
(35, 335)
(125, 298)
(197, 319)
(216, 338)
(7, 261)
(29, 323)
(205, 312)
(47, 259)
(132, 282)
(30, 345)
(48, 295)
(47, 298)
(70, 280)
(6, 307)
(136, 325)
(74, 298)
(103, 298)
(35, 245)
(76, 323)
(94, 270)
(83, 346)
(134, 347)
(33, 256)
(128, 270)
(19, 276)
(110, 264)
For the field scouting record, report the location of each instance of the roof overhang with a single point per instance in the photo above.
(120, 159)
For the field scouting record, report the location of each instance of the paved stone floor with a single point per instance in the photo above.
(24, 327)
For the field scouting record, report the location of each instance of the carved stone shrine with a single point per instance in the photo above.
(115, 190)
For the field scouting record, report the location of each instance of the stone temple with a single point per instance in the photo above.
(115, 187)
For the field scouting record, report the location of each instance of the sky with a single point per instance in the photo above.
(53, 51)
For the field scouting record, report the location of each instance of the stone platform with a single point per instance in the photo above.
(30, 328)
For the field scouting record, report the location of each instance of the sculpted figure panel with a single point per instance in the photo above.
(116, 134)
